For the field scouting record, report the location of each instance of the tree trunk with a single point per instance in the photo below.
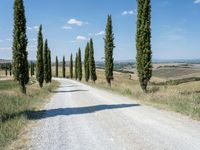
(23, 89)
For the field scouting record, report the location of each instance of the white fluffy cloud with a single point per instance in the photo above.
(100, 33)
(124, 13)
(197, 1)
(75, 22)
(81, 38)
(67, 27)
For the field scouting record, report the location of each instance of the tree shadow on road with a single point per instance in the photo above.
(68, 91)
(35, 115)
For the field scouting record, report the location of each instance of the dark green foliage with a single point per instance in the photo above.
(45, 57)
(92, 65)
(40, 61)
(49, 67)
(79, 65)
(63, 67)
(143, 43)
(76, 67)
(86, 63)
(56, 66)
(109, 46)
(20, 62)
(71, 66)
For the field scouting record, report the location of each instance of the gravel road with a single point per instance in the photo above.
(79, 117)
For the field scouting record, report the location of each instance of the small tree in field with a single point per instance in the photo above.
(20, 61)
(63, 68)
(79, 65)
(71, 66)
(40, 61)
(109, 46)
(56, 66)
(86, 63)
(6, 69)
(92, 65)
(10, 68)
(143, 43)
(76, 67)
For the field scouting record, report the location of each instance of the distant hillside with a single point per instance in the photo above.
(3, 61)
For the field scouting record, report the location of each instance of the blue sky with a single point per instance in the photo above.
(68, 24)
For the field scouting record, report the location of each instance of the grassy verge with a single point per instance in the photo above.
(183, 97)
(14, 105)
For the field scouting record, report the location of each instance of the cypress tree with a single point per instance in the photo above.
(56, 66)
(6, 69)
(20, 61)
(49, 66)
(31, 67)
(45, 57)
(92, 62)
(143, 43)
(40, 61)
(71, 66)
(79, 65)
(63, 68)
(109, 46)
(76, 67)
(10, 68)
(86, 63)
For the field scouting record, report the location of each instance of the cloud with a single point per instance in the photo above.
(29, 28)
(197, 1)
(67, 27)
(5, 49)
(9, 40)
(33, 28)
(75, 22)
(81, 38)
(125, 13)
(100, 33)
(36, 28)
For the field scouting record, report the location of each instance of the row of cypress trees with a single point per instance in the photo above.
(20, 55)
(43, 65)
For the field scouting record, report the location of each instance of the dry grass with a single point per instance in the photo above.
(14, 107)
(183, 98)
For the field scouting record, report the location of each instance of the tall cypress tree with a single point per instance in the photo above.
(79, 65)
(71, 66)
(63, 68)
(76, 67)
(20, 61)
(49, 66)
(92, 65)
(143, 43)
(40, 61)
(109, 46)
(56, 66)
(6, 69)
(86, 63)
(46, 61)
(10, 68)
(31, 67)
